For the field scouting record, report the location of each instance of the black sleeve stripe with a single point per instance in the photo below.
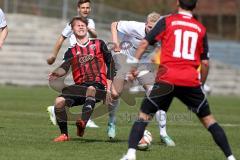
(64, 37)
(107, 58)
(67, 60)
(157, 30)
(117, 27)
(205, 55)
(3, 27)
(68, 55)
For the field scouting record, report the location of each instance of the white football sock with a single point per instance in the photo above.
(131, 152)
(112, 108)
(231, 158)
(161, 117)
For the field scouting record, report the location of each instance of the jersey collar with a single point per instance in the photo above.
(85, 44)
(185, 13)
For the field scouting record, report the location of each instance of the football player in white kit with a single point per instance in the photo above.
(133, 32)
(3, 28)
(84, 9)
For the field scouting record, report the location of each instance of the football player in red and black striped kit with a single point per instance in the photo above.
(90, 61)
(184, 48)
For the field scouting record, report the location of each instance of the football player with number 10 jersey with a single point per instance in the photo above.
(184, 49)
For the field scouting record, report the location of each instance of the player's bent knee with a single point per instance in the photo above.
(145, 116)
(60, 102)
(208, 121)
(91, 91)
(115, 95)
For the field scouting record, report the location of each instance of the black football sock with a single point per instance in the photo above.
(61, 117)
(220, 139)
(136, 133)
(88, 108)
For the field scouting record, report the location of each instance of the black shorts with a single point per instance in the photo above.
(193, 97)
(76, 94)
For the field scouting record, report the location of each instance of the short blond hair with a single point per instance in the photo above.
(153, 17)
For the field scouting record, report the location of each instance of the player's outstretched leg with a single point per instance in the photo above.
(161, 117)
(116, 90)
(218, 135)
(87, 110)
(112, 108)
(61, 117)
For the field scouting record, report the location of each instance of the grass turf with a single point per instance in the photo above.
(26, 133)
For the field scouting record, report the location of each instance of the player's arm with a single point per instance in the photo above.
(3, 35)
(129, 28)
(141, 48)
(51, 59)
(108, 61)
(154, 36)
(204, 70)
(59, 72)
(64, 67)
(92, 32)
(115, 39)
(66, 33)
(110, 71)
(204, 60)
(91, 29)
(3, 27)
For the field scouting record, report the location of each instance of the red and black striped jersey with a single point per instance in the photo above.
(89, 62)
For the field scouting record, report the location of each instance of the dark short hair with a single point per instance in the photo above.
(188, 4)
(77, 18)
(80, 2)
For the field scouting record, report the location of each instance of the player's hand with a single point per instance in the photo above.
(51, 59)
(53, 76)
(134, 71)
(117, 49)
(108, 98)
(131, 77)
(92, 32)
(133, 62)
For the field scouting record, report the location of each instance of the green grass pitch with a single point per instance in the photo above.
(26, 133)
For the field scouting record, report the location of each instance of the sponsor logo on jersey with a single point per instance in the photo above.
(93, 47)
(83, 60)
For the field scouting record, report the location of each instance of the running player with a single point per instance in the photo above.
(133, 32)
(84, 9)
(90, 61)
(184, 48)
(3, 28)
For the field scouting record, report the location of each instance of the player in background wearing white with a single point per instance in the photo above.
(3, 28)
(84, 9)
(134, 32)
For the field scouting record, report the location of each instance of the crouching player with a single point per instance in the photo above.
(90, 61)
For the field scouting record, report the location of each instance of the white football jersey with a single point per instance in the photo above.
(68, 33)
(3, 22)
(132, 33)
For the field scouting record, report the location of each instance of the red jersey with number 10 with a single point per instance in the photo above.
(184, 45)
